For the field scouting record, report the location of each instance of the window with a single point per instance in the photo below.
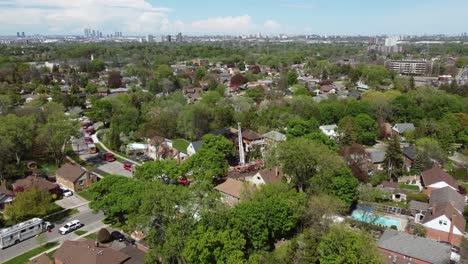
(440, 222)
(445, 222)
(81, 182)
(31, 227)
(24, 230)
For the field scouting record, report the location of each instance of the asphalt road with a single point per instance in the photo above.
(91, 222)
(115, 167)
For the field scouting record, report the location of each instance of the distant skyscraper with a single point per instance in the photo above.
(169, 38)
(18, 34)
(150, 38)
(93, 33)
(179, 37)
(22, 34)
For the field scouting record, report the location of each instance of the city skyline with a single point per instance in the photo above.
(140, 17)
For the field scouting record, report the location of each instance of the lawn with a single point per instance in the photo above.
(80, 232)
(24, 258)
(86, 194)
(51, 255)
(409, 187)
(180, 144)
(92, 236)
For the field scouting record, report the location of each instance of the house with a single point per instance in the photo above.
(401, 128)
(74, 177)
(402, 248)
(394, 189)
(38, 182)
(418, 209)
(265, 176)
(447, 195)
(231, 190)
(193, 147)
(87, 251)
(377, 157)
(6, 197)
(75, 111)
(329, 130)
(252, 139)
(436, 178)
(273, 137)
(409, 156)
(193, 94)
(443, 222)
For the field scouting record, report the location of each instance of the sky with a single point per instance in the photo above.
(235, 17)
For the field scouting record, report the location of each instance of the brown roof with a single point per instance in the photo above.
(70, 172)
(390, 185)
(449, 211)
(436, 174)
(137, 256)
(32, 181)
(42, 259)
(272, 175)
(231, 187)
(251, 135)
(86, 252)
(5, 191)
(235, 175)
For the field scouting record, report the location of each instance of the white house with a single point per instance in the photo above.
(436, 178)
(193, 147)
(444, 223)
(329, 130)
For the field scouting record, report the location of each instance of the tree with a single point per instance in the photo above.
(347, 131)
(56, 134)
(412, 86)
(102, 110)
(344, 186)
(103, 236)
(28, 204)
(91, 88)
(303, 159)
(427, 151)
(238, 80)
(256, 93)
(343, 245)
(297, 127)
(419, 230)
(393, 162)
(163, 72)
(150, 171)
(291, 78)
(200, 73)
(113, 138)
(114, 79)
(207, 245)
(366, 129)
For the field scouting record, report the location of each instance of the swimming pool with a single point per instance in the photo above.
(370, 218)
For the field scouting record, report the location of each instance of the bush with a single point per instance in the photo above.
(104, 236)
(420, 197)
(394, 227)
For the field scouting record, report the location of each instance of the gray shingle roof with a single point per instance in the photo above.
(447, 195)
(402, 127)
(275, 135)
(376, 155)
(415, 247)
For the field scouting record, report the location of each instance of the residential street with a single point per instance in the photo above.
(115, 167)
(91, 221)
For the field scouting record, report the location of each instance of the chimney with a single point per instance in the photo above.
(433, 210)
(450, 234)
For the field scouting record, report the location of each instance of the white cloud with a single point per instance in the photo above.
(66, 16)
(228, 24)
(271, 25)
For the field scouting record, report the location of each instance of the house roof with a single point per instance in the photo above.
(197, 145)
(448, 211)
(271, 175)
(275, 136)
(447, 195)
(419, 206)
(32, 181)
(231, 187)
(376, 155)
(236, 175)
(70, 172)
(436, 174)
(402, 127)
(390, 185)
(329, 127)
(137, 256)
(415, 247)
(251, 135)
(78, 252)
(409, 152)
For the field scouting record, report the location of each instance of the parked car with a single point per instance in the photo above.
(66, 192)
(116, 235)
(108, 157)
(129, 166)
(70, 226)
(88, 140)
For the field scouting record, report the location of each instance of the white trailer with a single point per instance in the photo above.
(22, 231)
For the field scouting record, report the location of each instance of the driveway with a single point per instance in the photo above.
(73, 201)
(115, 167)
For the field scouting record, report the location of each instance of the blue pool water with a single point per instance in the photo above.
(369, 217)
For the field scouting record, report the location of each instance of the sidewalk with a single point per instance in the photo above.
(96, 140)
